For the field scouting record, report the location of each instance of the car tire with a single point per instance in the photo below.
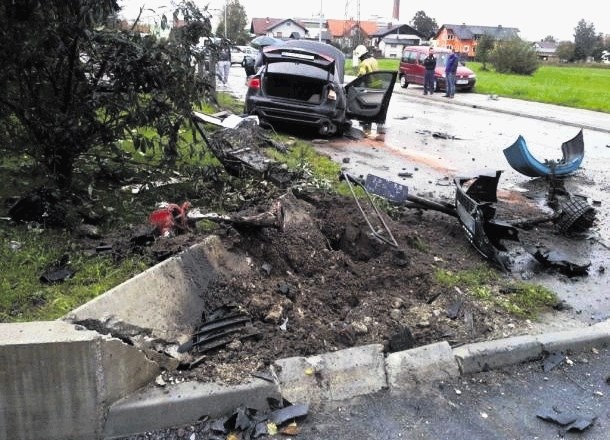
(403, 82)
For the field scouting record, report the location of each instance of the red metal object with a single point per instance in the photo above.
(170, 218)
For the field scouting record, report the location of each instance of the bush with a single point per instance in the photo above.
(514, 56)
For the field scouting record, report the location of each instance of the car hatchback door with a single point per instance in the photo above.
(368, 96)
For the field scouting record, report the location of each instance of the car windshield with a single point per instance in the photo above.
(441, 59)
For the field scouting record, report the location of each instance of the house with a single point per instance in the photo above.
(277, 27)
(390, 40)
(546, 50)
(463, 38)
(350, 33)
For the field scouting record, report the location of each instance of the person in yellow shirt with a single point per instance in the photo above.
(367, 64)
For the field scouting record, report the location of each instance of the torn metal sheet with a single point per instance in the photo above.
(474, 202)
(520, 158)
(563, 263)
(568, 420)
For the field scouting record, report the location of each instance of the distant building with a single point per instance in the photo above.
(281, 28)
(464, 38)
(391, 39)
(546, 50)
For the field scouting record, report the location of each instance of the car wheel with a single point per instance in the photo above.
(403, 82)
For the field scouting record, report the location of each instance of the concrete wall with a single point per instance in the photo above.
(57, 380)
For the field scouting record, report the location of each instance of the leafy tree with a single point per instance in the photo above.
(565, 51)
(484, 47)
(423, 24)
(549, 39)
(236, 24)
(76, 83)
(514, 56)
(585, 40)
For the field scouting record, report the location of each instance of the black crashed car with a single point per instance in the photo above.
(301, 83)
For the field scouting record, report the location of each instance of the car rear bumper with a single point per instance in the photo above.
(314, 116)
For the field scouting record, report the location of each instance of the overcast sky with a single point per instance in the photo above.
(534, 18)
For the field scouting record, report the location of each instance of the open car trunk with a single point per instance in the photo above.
(299, 88)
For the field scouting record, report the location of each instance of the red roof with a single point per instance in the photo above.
(340, 28)
(261, 26)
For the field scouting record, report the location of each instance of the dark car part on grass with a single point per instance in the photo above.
(301, 84)
(239, 149)
(520, 158)
(474, 202)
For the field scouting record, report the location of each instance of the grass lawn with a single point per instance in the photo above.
(571, 86)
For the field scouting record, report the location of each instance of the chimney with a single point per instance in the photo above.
(396, 11)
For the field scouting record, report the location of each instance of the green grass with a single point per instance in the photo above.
(25, 254)
(566, 85)
(578, 87)
(521, 299)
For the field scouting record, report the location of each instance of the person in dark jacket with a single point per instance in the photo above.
(248, 65)
(450, 71)
(429, 65)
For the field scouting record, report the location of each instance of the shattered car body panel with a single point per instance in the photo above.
(520, 158)
(475, 210)
(301, 84)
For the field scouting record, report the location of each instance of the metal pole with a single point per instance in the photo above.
(320, 23)
(225, 19)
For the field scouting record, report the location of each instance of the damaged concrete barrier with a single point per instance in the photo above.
(57, 379)
(489, 355)
(153, 407)
(332, 376)
(410, 368)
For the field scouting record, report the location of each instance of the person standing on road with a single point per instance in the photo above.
(224, 62)
(367, 64)
(429, 65)
(450, 72)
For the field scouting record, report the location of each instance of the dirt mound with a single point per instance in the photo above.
(324, 282)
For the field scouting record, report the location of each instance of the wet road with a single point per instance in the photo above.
(497, 405)
(434, 139)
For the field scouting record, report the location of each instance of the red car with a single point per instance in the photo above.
(411, 69)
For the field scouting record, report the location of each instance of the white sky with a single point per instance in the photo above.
(534, 18)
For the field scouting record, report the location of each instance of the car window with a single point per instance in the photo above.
(441, 59)
(421, 57)
(411, 57)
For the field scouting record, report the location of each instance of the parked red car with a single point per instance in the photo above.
(411, 69)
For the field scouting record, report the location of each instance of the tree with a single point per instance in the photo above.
(76, 83)
(484, 47)
(423, 24)
(549, 39)
(236, 24)
(514, 56)
(585, 40)
(565, 51)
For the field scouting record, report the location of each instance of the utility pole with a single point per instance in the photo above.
(320, 23)
(225, 26)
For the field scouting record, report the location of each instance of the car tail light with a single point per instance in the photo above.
(254, 83)
(332, 95)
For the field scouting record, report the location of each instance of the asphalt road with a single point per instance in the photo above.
(497, 405)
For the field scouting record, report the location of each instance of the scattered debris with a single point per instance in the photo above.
(560, 261)
(474, 205)
(520, 158)
(553, 360)
(170, 218)
(569, 421)
(58, 271)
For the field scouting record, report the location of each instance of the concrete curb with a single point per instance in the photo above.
(345, 374)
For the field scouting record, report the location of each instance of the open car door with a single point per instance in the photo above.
(368, 96)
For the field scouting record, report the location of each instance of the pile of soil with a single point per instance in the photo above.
(326, 282)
